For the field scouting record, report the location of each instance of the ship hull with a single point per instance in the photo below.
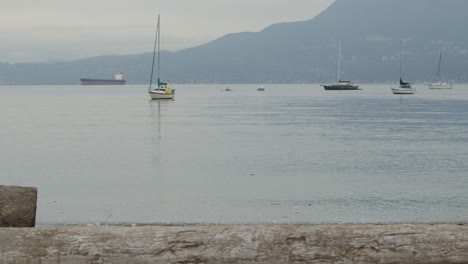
(101, 82)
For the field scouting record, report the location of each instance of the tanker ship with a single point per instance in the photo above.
(119, 79)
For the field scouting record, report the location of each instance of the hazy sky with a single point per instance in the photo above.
(40, 30)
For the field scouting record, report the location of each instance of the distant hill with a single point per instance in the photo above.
(299, 52)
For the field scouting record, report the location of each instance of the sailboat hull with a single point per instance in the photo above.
(339, 87)
(403, 90)
(160, 95)
(439, 85)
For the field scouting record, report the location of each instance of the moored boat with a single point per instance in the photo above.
(162, 89)
(341, 85)
(438, 84)
(404, 87)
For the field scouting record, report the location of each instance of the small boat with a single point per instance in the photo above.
(119, 79)
(261, 88)
(438, 84)
(341, 85)
(404, 87)
(161, 90)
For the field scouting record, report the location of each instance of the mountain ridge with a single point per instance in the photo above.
(298, 52)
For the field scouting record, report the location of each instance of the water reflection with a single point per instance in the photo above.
(155, 114)
(156, 109)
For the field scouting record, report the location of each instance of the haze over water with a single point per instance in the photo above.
(291, 154)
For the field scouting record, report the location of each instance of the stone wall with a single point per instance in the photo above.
(236, 244)
(17, 206)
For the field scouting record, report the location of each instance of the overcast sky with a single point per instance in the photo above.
(42, 30)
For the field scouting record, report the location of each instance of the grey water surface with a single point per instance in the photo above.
(291, 154)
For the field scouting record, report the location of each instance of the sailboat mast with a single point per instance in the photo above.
(438, 71)
(401, 59)
(154, 53)
(159, 45)
(339, 60)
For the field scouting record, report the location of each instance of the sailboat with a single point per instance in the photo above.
(404, 87)
(438, 84)
(161, 90)
(341, 85)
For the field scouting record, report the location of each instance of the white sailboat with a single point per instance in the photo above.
(341, 85)
(161, 90)
(404, 87)
(439, 84)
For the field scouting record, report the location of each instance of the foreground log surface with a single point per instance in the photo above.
(17, 206)
(236, 244)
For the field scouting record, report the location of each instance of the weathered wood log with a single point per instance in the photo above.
(236, 244)
(18, 206)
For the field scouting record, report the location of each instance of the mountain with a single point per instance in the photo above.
(299, 52)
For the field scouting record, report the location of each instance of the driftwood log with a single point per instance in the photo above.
(236, 244)
(17, 206)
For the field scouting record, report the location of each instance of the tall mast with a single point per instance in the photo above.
(401, 59)
(154, 53)
(440, 61)
(339, 59)
(159, 45)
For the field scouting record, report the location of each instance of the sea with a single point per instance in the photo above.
(293, 154)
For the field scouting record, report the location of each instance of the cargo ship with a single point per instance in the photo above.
(119, 79)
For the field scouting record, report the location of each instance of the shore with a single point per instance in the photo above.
(407, 243)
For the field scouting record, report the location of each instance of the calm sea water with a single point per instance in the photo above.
(291, 154)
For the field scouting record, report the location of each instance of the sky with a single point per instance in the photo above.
(56, 30)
